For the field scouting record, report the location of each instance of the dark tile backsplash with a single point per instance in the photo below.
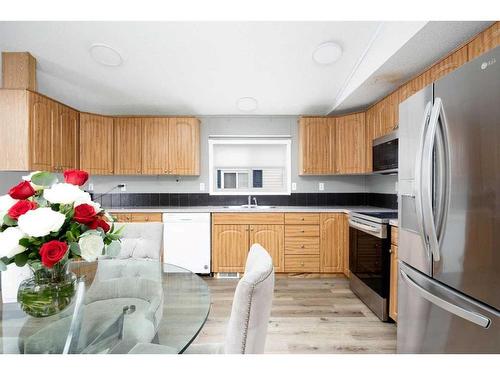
(197, 199)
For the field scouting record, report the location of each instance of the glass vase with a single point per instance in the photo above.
(48, 291)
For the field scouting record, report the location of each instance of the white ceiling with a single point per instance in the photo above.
(203, 68)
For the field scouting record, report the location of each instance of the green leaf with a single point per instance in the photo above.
(9, 221)
(119, 230)
(21, 259)
(70, 237)
(3, 266)
(25, 242)
(75, 248)
(113, 249)
(41, 201)
(45, 179)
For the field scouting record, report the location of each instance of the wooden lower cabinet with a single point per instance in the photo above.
(302, 263)
(137, 217)
(393, 291)
(271, 238)
(332, 242)
(230, 245)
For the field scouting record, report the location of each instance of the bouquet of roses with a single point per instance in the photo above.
(44, 223)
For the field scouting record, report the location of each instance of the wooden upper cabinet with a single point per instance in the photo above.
(65, 139)
(351, 144)
(127, 145)
(155, 145)
(370, 123)
(230, 245)
(485, 41)
(271, 238)
(317, 145)
(43, 113)
(18, 71)
(415, 85)
(332, 242)
(449, 64)
(96, 144)
(184, 146)
(392, 116)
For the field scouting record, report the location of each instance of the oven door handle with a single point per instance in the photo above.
(363, 226)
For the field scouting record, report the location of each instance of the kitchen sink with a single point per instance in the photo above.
(250, 207)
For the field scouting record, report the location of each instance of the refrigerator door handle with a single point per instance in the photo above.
(426, 183)
(471, 316)
(418, 178)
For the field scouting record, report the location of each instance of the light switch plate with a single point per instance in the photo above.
(321, 186)
(294, 186)
(202, 186)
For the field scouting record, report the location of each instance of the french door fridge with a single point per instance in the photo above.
(449, 213)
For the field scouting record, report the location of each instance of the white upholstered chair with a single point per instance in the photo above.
(141, 240)
(247, 328)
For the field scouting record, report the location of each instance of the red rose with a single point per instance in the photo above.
(99, 223)
(84, 213)
(52, 252)
(75, 177)
(20, 208)
(22, 190)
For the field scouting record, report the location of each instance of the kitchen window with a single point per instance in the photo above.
(250, 166)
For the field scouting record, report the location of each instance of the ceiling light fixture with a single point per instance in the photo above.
(247, 104)
(327, 53)
(105, 55)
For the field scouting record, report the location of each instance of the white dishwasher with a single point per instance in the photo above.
(186, 240)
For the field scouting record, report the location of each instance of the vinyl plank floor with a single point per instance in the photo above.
(308, 316)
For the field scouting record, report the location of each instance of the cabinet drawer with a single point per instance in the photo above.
(301, 218)
(394, 235)
(140, 217)
(122, 217)
(301, 231)
(302, 245)
(302, 263)
(250, 218)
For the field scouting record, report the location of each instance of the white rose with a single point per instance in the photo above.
(65, 194)
(6, 202)
(91, 247)
(40, 222)
(9, 242)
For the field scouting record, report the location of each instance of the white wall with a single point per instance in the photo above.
(385, 184)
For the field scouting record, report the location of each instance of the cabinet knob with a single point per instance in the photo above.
(138, 171)
(302, 264)
(302, 219)
(146, 219)
(302, 231)
(302, 246)
(166, 172)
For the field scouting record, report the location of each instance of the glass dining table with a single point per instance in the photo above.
(119, 305)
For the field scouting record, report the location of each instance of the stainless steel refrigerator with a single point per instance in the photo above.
(449, 213)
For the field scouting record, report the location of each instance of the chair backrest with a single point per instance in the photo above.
(141, 240)
(247, 328)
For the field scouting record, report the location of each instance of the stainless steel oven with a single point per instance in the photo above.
(385, 153)
(369, 259)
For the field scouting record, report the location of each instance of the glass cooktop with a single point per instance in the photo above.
(381, 215)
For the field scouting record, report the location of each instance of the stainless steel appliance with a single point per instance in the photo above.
(369, 259)
(449, 213)
(385, 154)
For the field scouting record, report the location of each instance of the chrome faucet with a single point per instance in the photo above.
(255, 201)
(249, 200)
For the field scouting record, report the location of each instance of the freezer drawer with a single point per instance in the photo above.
(433, 318)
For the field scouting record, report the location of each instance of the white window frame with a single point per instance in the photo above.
(288, 167)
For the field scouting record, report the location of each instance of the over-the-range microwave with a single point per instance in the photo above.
(385, 154)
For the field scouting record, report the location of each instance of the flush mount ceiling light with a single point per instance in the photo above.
(105, 55)
(247, 104)
(327, 53)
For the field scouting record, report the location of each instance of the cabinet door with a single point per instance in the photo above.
(271, 238)
(230, 245)
(393, 289)
(392, 117)
(65, 139)
(332, 242)
(351, 144)
(415, 85)
(127, 145)
(449, 64)
(184, 146)
(155, 145)
(316, 145)
(96, 144)
(43, 113)
(370, 119)
(487, 40)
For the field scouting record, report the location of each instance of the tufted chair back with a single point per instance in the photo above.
(142, 240)
(247, 328)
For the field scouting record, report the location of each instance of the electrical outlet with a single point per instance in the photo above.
(124, 187)
(202, 186)
(91, 186)
(294, 186)
(321, 186)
